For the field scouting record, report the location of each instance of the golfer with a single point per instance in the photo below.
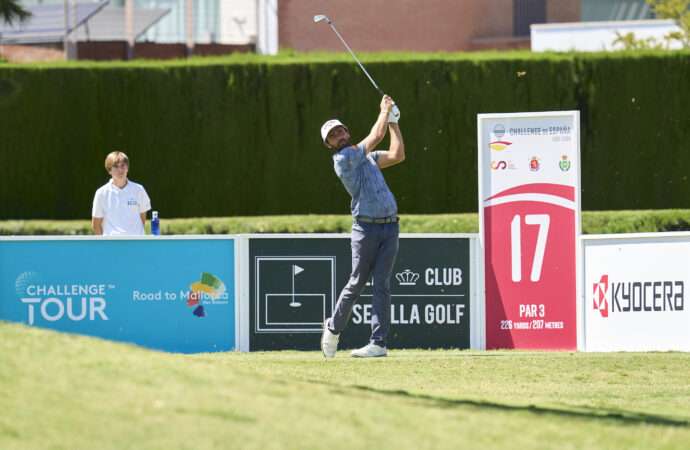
(119, 206)
(375, 225)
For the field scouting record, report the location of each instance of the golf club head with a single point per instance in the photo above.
(320, 17)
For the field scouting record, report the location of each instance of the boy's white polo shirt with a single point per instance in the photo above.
(121, 209)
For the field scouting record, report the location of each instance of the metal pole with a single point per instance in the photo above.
(259, 42)
(64, 38)
(129, 28)
(189, 26)
(69, 45)
(73, 36)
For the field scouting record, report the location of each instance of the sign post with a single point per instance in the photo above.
(294, 282)
(529, 214)
(177, 294)
(634, 288)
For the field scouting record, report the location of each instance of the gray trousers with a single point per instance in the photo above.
(374, 249)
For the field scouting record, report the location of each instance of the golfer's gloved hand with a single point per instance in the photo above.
(394, 114)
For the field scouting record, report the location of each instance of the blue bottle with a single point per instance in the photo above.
(155, 224)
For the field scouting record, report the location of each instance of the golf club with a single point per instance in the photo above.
(320, 18)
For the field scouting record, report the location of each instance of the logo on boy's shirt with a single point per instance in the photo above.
(132, 202)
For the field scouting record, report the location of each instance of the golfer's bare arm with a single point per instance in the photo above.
(143, 218)
(396, 153)
(378, 132)
(97, 225)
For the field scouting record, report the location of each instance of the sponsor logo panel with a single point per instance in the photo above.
(155, 300)
(429, 293)
(611, 296)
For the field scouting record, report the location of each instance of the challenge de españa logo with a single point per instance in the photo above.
(600, 292)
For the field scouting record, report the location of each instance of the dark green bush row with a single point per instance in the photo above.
(593, 222)
(240, 136)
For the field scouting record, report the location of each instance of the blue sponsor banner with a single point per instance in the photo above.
(176, 295)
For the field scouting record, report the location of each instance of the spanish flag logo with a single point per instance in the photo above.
(499, 145)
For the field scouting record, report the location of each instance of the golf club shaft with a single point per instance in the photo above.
(357, 60)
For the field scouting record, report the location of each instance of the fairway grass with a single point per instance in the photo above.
(61, 391)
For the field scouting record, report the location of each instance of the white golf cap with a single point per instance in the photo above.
(328, 126)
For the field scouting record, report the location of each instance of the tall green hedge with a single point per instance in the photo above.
(636, 130)
(240, 136)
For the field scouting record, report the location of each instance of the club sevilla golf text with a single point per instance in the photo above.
(413, 314)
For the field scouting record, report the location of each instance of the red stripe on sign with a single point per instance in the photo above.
(559, 190)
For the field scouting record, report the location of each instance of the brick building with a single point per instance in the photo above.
(414, 25)
(226, 26)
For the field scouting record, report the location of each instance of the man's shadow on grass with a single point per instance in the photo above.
(620, 416)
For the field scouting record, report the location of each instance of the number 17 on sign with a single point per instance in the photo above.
(516, 248)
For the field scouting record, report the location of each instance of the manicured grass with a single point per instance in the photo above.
(63, 391)
(593, 222)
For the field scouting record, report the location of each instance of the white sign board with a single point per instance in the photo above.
(529, 210)
(598, 36)
(635, 292)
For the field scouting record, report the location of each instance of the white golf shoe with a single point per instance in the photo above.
(370, 351)
(329, 341)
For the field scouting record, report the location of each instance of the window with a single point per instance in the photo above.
(525, 13)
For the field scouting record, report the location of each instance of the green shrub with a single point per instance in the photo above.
(593, 222)
(239, 136)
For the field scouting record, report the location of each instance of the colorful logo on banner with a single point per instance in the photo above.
(601, 290)
(637, 296)
(534, 164)
(564, 163)
(209, 290)
(499, 145)
(502, 165)
(52, 302)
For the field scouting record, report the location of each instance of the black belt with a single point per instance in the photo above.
(389, 219)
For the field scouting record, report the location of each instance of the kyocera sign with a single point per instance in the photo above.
(637, 296)
(634, 293)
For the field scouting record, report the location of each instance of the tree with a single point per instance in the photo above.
(629, 42)
(11, 10)
(678, 10)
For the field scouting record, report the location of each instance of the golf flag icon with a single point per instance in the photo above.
(292, 293)
(296, 270)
